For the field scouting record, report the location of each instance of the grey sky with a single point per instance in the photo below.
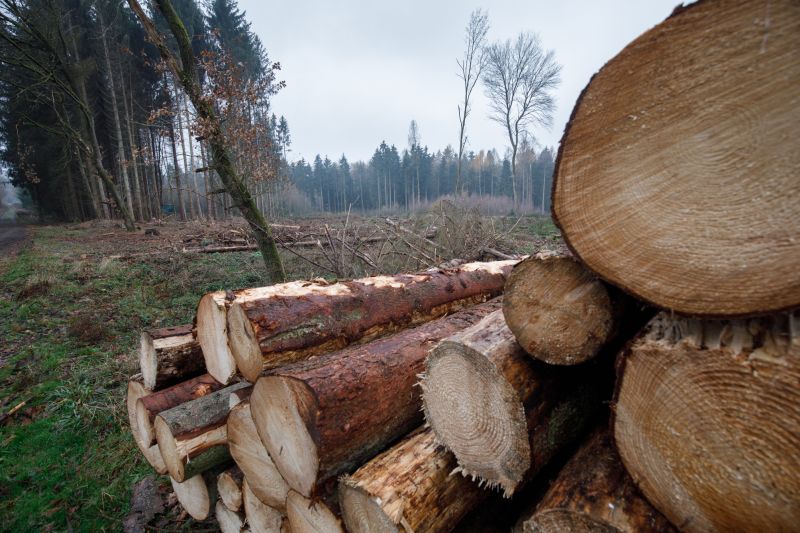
(358, 72)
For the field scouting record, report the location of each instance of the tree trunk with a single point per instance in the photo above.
(706, 421)
(408, 488)
(137, 192)
(198, 493)
(594, 493)
(250, 454)
(177, 170)
(307, 516)
(229, 488)
(271, 326)
(151, 452)
(325, 416)
(229, 521)
(148, 407)
(559, 312)
(650, 143)
(261, 517)
(193, 436)
(188, 173)
(169, 355)
(486, 401)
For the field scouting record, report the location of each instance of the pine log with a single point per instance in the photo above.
(198, 493)
(321, 417)
(192, 436)
(229, 521)
(677, 188)
(272, 326)
(152, 455)
(212, 335)
(307, 516)
(593, 492)
(169, 355)
(706, 421)
(559, 312)
(229, 488)
(147, 407)
(487, 402)
(250, 454)
(261, 518)
(408, 488)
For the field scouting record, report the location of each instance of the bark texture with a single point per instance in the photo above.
(169, 355)
(272, 326)
(150, 452)
(706, 421)
(593, 492)
(327, 415)
(660, 156)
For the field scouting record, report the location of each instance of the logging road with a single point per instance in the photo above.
(10, 235)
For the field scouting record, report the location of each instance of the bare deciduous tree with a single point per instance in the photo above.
(519, 78)
(470, 67)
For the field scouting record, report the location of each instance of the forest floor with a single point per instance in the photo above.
(74, 298)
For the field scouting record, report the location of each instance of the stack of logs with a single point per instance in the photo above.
(400, 403)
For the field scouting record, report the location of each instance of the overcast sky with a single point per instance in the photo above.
(357, 72)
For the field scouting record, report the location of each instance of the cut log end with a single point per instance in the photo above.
(243, 344)
(212, 334)
(143, 424)
(261, 517)
(281, 409)
(148, 364)
(194, 496)
(361, 513)
(229, 487)
(229, 521)
(169, 450)
(307, 516)
(152, 455)
(474, 410)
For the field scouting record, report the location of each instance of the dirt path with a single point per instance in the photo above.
(11, 235)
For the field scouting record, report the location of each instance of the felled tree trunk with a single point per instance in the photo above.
(593, 492)
(229, 488)
(147, 407)
(198, 493)
(250, 454)
(272, 326)
(325, 416)
(558, 310)
(193, 436)
(660, 158)
(307, 516)
(169, 355)
(261, 518)
(150, 451)
(501, 413)
(706, 421)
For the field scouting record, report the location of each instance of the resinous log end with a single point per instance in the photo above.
(558, 310)
(706, 421)
(678, 175)
(212, 334)
(308, 516)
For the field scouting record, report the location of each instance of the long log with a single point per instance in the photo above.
(325, 416)
(307, 516)
(169, 355)
(261, 518)
(272, 326)
(706, 421)
(488, 403)
(229, 488)
(660, 158)
(229, 521)
(147, 407)
(152, 455)
(250, 454)
(558, 310)
(212, 334)
(593, 492)
(198, 493)
(193, 436)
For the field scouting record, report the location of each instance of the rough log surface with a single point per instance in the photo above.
(152, 455)
(594, 492)
(229, 487)
(327, 415)
(272, 326)
(660, 157)
(169, 355)
(706, 421)
(261, 517)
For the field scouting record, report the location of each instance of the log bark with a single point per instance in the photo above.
(558, 310)
(652, 144)
(250, 454)
(488, 402)
(261, 517)
(168, 356)
(272, 326)
(307, 516)
(229, 521)
(212, 334)
(147, 407)
(408, 488)
(229, 488)
(325, 416)
(706, 421)
(593, 492)
(193, 436)
(151, 453)
(198, 493)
